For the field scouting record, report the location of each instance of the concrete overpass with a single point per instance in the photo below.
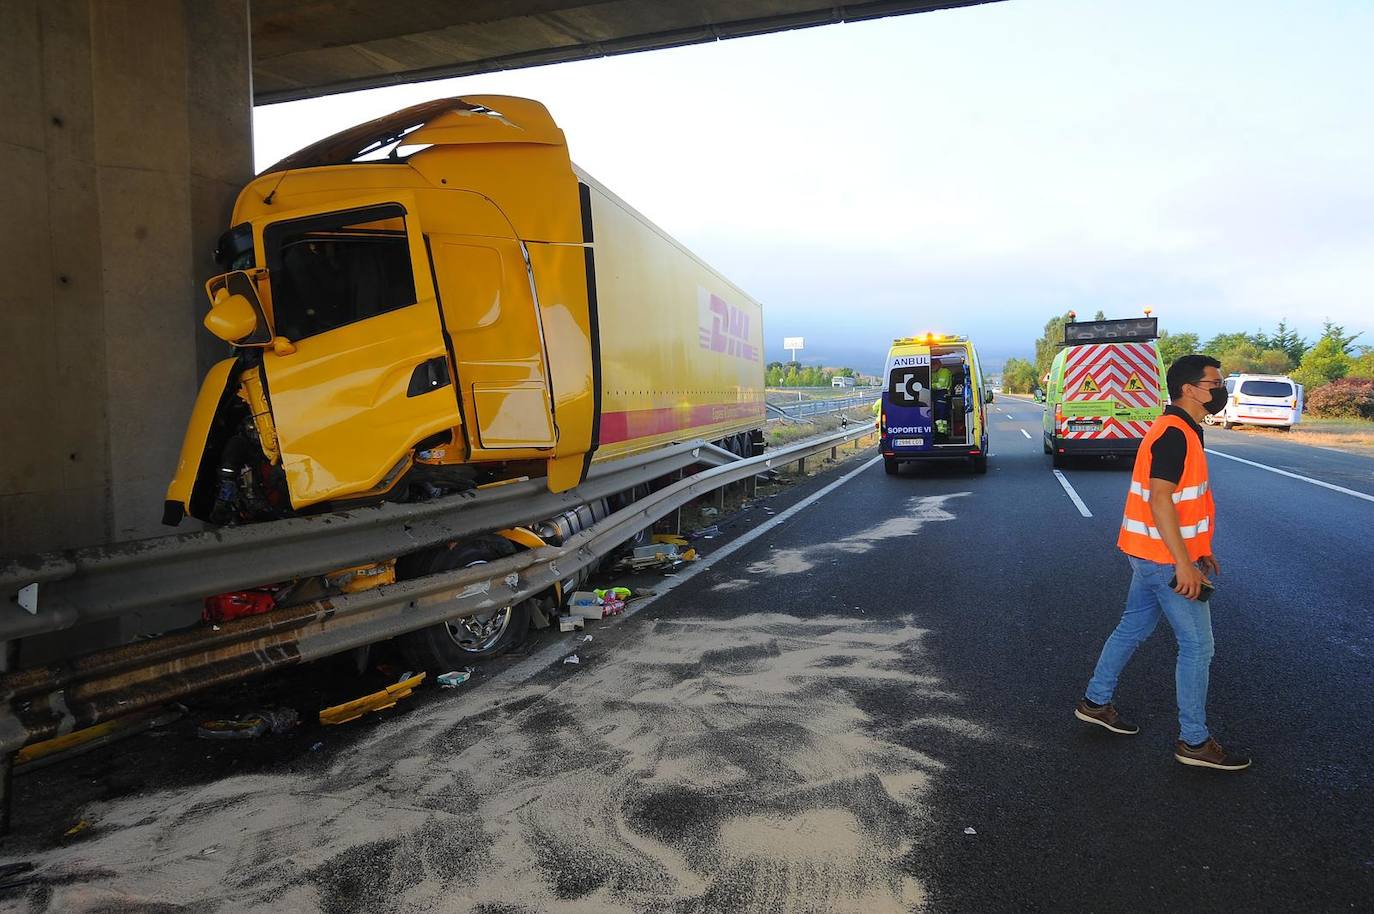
(125, 134)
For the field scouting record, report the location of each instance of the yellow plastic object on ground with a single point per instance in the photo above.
(377, 701)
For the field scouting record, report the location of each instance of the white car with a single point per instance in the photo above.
(1261, 399)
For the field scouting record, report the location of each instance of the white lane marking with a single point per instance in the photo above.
(1078, 502)
(536, 663)
(1024, 432)
(1011, 416)
(1316, 482)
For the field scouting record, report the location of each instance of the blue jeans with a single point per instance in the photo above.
(1150, 595)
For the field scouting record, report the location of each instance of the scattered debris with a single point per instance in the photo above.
(570, 623)
(377, 701)
(572, 658)
(316, 747)
(659, 556)
(226, 607)
(251, 725)
(970, 831)
(586, 638)
(91, 738)
(706, 532)
(209, 851)
(709, 511)
(76, 829)
(669, 539)
(455, 678)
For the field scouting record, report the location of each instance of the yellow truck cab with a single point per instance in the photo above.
(1105, 388)
(933, 403)
(439, 299)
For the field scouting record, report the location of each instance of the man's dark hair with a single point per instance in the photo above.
(1188, 369)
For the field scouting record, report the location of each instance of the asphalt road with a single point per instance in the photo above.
(866, 707)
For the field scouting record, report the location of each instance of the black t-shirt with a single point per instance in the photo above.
(1169, 450)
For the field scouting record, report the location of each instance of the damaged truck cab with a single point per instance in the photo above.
(412, 307)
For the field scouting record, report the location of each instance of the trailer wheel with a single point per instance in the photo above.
(451, 645)
(890, 466)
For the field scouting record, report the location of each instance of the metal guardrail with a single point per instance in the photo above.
(43, 702)
(103, 582)
(819, 407)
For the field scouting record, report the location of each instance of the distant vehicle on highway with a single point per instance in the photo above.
(841, 381)
(1261, 399)
(934, 404)
(1105, 388)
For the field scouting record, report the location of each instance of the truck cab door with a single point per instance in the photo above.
(364, 374)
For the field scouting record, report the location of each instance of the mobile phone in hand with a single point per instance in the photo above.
(1203, 595)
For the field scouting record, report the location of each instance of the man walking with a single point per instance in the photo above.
(1167, 536)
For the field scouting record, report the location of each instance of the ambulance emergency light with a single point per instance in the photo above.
(1126, 330)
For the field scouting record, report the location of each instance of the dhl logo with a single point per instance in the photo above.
(724, 328)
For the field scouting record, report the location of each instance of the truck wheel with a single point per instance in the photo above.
(980, 465)
(452, 645)
(890, 466)
(1046, 442)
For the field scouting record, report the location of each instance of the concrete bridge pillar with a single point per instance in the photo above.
(125, 133)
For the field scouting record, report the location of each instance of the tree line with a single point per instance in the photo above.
(790, 374)
(1333, 356)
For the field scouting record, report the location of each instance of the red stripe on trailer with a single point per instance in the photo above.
(643, 423)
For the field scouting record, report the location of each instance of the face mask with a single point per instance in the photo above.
(1218, 401)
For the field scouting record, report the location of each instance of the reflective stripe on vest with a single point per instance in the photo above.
(1191, 493)
(1190, 532)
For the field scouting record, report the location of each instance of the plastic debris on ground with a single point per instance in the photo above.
(94, 737)
(709, 511)
(705, 532)
(454, 678)
(970, 831)
(377, 701)
(76, 829)
(570, 623)
(251, 725)
(586, 638)
(572, 658)
(657, 556)
(669, 539)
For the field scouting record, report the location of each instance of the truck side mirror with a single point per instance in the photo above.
(232, 317)
(236, 315)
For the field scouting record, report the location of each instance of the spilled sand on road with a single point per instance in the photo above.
(704, 765)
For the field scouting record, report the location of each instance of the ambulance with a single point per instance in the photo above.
(933, 404)
(1106, 386)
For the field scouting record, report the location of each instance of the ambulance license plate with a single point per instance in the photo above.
(1085, 426)
(909, 442)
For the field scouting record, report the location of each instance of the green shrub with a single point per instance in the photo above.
(1350, 398)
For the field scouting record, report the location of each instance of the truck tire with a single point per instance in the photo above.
(453, 645)
(1046, 442)
(890, 466)
(980, 464)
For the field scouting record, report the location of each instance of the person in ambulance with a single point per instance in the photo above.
(1167, 537)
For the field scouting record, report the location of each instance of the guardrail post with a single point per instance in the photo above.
(801, 467)
(835, 452)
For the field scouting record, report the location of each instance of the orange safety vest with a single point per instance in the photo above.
(1192, 499)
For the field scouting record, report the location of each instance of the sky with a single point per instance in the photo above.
(979, 170)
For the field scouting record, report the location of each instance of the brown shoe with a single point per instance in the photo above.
(1210, 755)
(1104, 716)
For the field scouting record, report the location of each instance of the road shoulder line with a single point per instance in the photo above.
(1316, 482)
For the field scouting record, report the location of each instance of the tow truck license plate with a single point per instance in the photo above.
(909, 442)
(1085, 426)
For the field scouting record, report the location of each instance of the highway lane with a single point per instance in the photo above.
(816, 722)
